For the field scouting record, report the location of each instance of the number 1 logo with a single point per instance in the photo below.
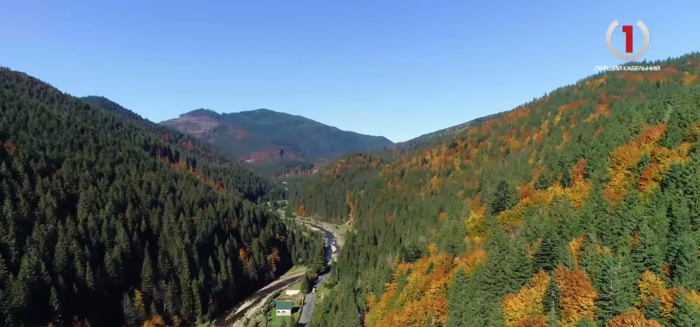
(629, 41)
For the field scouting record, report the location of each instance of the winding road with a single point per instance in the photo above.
(309, 303)
(250, 305)
(332, 248)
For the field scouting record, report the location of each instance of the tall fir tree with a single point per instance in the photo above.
(147, 273)
(616, 292)
(653, 311)
(457, 300)
(56, 308)
(646, 254)
(685, 262)
(552, 298)
(685, 313)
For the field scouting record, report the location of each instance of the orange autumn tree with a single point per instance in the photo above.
(577, 296)
(631, 320)
(536, 321)
(155, 321)
(424, 292)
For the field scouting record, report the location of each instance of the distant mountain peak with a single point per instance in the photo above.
(264, 110)
(262, 135)
(202, 112)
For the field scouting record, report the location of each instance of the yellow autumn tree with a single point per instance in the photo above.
(652, 287)
(575, 248)
(138, 302)
(528, 303)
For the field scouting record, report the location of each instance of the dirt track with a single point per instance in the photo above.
(256, 301)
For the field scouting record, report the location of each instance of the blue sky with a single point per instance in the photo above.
(398, 68)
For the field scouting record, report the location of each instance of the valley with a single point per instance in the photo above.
(422, 164)
(248, 309)
(578, 208)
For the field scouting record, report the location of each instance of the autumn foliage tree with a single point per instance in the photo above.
(595, 183)
(577, 296)
(630, 320)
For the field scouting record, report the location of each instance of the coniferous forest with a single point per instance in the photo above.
(580, 208)
(109, 220)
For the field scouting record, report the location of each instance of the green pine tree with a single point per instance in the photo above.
(653, 311)
(305, 284)
(685, 263)
(505, 198)
(456, 300)
(552, 296)
(616, 291)
(147, 273)
(646, 255)
(547, 255)
(685, 314)
(56, 307)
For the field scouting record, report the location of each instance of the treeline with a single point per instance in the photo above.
(577, 209)
(104, 221)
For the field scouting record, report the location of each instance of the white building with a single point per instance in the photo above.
(284, 308)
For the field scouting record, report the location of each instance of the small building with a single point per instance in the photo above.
(292, 292)
(284, 308)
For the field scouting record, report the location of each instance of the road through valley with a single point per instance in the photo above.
(248, 307)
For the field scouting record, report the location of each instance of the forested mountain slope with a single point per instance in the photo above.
(105, 221)
(201, 156)
(581, 208)
(267, 137)
(115, 108)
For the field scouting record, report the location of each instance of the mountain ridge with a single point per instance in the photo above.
(264, 136)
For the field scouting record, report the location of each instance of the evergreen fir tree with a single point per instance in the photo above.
(456, 300)
(56, 307)
(305, 284)
(147, 273)
(685, 314)
(504, 199)
(129, 311)
(477, 298)
(552, 297)
(615, 290)
(685, 263)
(653, 311)
(646, 255)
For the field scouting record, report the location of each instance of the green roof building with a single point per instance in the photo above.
(284, 308)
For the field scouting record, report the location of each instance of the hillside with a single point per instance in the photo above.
(580, 208)
(268, 137)
(115, 108)
(438, 136)
(201, 156)
(111, 220)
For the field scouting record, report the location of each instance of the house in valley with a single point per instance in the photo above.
(284, 308)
